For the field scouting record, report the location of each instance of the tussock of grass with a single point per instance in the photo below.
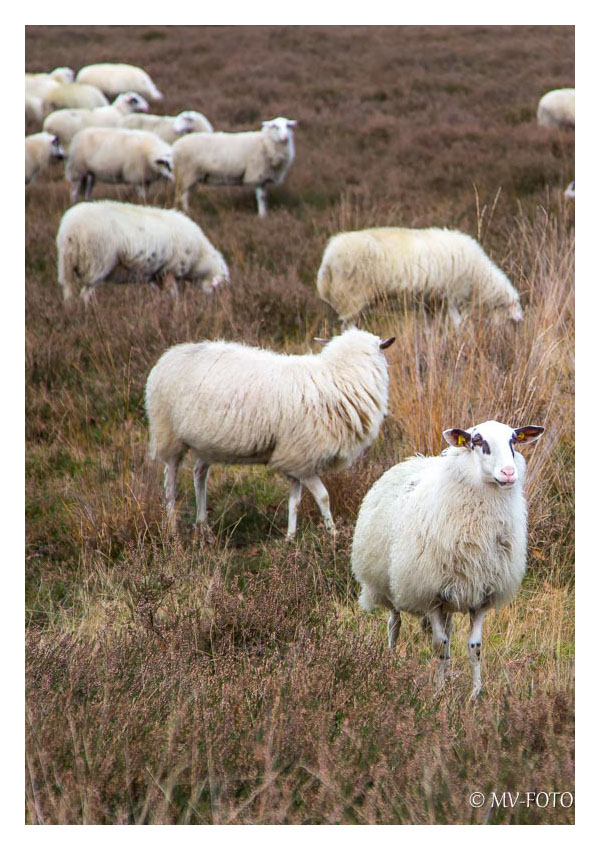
(173, 680)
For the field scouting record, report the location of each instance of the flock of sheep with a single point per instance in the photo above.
(418, 545)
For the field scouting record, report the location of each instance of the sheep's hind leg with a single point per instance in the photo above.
(261, 200)
(171, 468)
(474, 646)
(294, 502)
(441, 643)
(393, 628)
(321, 497)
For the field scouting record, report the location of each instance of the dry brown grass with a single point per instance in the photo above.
(169, 681)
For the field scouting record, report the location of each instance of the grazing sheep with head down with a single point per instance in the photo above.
(114, 155)
(170, 127)
(255, 159)
(73, 96)
(446, 534)
(40, 150)
(112, 241)
(113, 78)
(437, 264)
(300, 414)
(64, 123)
(557, 108)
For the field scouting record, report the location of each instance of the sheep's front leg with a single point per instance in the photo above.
(441, 642)
(89, 185)
(454, 314)
(87, 294)
(261, 200)
(393, 628)
(474, 646)
(201, 470)
(294, 502)
(170, 284)
(321, 497)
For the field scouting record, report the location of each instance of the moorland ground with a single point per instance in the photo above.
(172, 680)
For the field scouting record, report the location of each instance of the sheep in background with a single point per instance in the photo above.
(37, 85)
(169, 127)
(557, 108)
(255, 159)
(114, 78)
(40, 150)
(34, 110)
(569, 192)
(446, 534)
(64, 123)
(114, 155)
(112, 241)
(300, 414)
(73, 96)
(432, 263)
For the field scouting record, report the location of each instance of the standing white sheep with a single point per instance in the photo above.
(73, 96)
(300, 414)
(64, 123)
(114, 155)
(446, 534)
(112, 241)
(557, 108)
(170, 127)
(40, 150)
(113, 78)
(431, 263)
(255, 158)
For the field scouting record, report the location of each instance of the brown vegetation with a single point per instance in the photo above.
(173, 681)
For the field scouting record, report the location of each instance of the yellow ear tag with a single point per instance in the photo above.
(461, 439)
(521, 436)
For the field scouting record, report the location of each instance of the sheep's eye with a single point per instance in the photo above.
(477, 440)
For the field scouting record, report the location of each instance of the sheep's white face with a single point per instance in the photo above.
(280, 129)
(515, 312)
(185, 122)
(57, 149)
(492, 447)
(164, 166)
(134, 102)
(63, 75)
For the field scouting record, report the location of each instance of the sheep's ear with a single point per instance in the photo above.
(387, 342)
(320, 340)
(164, 162)
(457, 437)
(292, 123)
(528, 434)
